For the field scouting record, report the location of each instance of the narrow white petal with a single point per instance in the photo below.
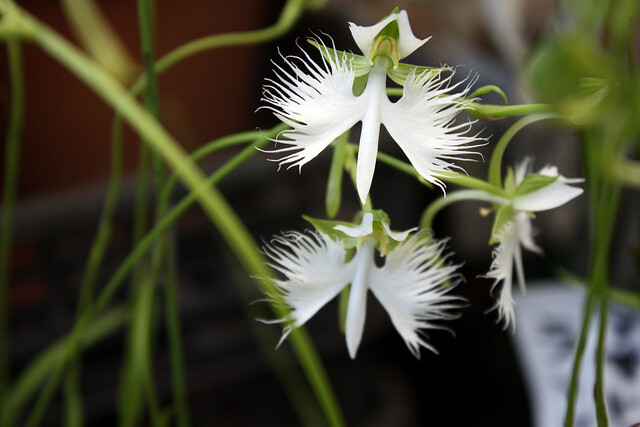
(376, 95)
(315, 271)
(316, 100)
(553, 195)
(407, 42)
(398, 236)
(364, 229)
(357, 308)
(524, 231)
(410, 286)
(422, 122)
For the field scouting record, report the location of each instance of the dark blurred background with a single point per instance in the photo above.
(475, 378)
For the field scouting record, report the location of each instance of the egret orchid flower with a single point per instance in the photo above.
(318, 102)
(533, 193)
(409, 285)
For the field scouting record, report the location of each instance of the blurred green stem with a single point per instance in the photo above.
(216, 207)
(495, 164)
(577, 361)
(12, 166)
(151, 99)
(291, 13)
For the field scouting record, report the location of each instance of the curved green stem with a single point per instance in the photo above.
(495, 165)
(451, 177)
(12, 166)
(291, 12)
(490, 111)
(399, 165)
(212, 147)
(213, 204)
(456, 196)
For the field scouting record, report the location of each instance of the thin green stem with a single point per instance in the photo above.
(399, 165)
(577, 361)
(151, 99)
(105, 224)
(490, 111)
(137, 378)
(495, 165)
(211, 147)
(12, 166)
(174, 334)
(451, 177)
(291, 13)
(456, 196)
(72, 395)
(601, 406)
(625, 298)
(214, 205)
(493, 112)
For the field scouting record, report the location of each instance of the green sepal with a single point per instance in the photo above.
(379, 215)
(333, 196)
(503, 216)
(400, 74)
(488, 89)
(509, 182)
(326, 226)
(359, 62)
(534, 182)
(360, 84)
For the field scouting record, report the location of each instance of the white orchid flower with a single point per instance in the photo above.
(409, 285)
(318, 102)
(533, 193)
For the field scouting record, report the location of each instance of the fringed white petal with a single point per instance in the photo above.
(422, 122)
(364, 229)
(357, 308)
(502, 271)
(508, 255)
(411, 287)
(506, 307)
(407, 42)
(316, 101)
(315, 270)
